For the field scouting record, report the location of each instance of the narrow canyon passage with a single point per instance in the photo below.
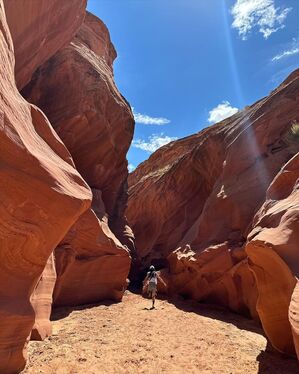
(184, 337)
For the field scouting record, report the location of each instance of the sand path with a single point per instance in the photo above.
(184, 337)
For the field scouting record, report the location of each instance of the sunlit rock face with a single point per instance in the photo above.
(273, 252)
(39, 28)
(294, 316)
(76, 90)
(223, 196)
(41, 301)
(42, 196)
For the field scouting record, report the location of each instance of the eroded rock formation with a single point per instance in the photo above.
(45, 203)
(39, 29)
(41, 301)
(42, 196)
(273, 253)
(212, 195)
(96, 124)
(294, 316)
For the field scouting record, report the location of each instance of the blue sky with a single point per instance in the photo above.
(184, 64)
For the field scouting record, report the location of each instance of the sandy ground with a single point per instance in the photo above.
(184, 337)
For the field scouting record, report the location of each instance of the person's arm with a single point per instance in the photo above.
(161, 280)
(145, 282)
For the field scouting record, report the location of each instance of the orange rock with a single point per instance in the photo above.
(39, 28)
(294, 316)
(213, 276)
(277, 221)
(273, 251)
(275, 284)
(42, 195)
(91, 264)
(217, 176)
(41, 301)
(165, 198)
(96, 124)
(203, 193)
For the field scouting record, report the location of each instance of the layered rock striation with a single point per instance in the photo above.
(76, 90)
(42, 196)
(273, 253)
(219, 211)
(39, 29)
(62, 237)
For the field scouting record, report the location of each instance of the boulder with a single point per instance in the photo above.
(218, 275)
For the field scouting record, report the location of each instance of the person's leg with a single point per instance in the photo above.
(154, 297)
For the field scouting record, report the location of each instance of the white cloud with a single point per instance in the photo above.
(131, 168)
(221, 111)
(262, 14)
(147, 120)
(154, 142)
(293, 49)
(288, 53)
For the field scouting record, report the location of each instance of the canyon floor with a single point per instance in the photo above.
(179, 337)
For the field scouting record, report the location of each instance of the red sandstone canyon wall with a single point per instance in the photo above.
(76, 90)
(219, 210)
(42, 196)
(63, 234)
(273, 253)
(39, 28)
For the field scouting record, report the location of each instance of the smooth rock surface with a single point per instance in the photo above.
(274, 254)
(42, 195)
(39, 28)
(232, 186)
(217, 176)
(189, 183)
(294, 316)
(96, 124)
(275, 284)
(91, 264)
(41, 301)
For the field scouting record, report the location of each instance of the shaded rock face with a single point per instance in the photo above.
(218, 275)
(42, 196)
(39, 29)
(227, 197)
(218, 176)
(76, 90)
(91, 263)
(168, 192)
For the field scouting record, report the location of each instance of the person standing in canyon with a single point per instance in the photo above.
(151, 282)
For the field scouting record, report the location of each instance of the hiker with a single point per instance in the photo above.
(151, 281)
